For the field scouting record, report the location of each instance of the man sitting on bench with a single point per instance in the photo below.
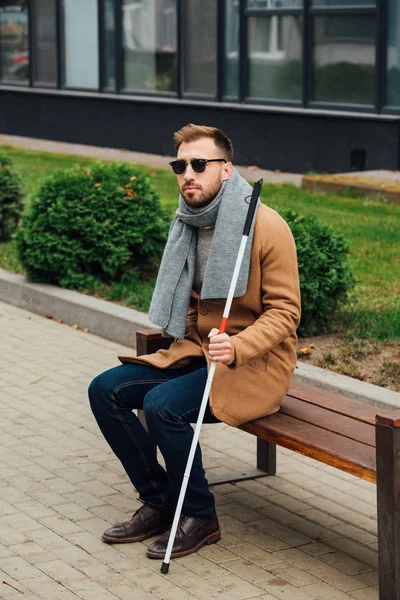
(255, 358)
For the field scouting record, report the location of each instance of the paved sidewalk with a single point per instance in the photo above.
(308, 533)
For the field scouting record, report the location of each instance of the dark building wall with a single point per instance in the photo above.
(271, 138)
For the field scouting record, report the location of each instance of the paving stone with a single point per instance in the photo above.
(32, 552)
(247, 570)
(369, 578)
(345, 563)
(366, 594)
(60, 525)
(201, 565)
(195, 584)
(237, 586)
(10, 536)
(338, 579)
(299, 558)
(134, 592)
(279, 588)
(324, 591)
(18, 568)
(256, 555)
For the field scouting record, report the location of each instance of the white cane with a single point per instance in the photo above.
(246, 230)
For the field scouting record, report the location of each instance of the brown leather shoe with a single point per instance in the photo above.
(192, 534)
(146, 521)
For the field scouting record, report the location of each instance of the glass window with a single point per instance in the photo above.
(232, 48)
(273, 4)
(275, 57)
(393, 54)
(200, 46)
(81, 44)
(344, 59)
(149, 37)
(44, 42)
(109, 44)
(343, 3)
(14, 41)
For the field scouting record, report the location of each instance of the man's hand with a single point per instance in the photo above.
(220, 348)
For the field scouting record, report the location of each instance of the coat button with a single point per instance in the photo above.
(203, 310)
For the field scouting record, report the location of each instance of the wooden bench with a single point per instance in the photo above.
(340, 432)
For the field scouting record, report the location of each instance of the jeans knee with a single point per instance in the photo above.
(155, 407)
(99, 396)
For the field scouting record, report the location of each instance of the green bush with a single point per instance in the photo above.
(324, 269)
(11, 198)
(94, 225)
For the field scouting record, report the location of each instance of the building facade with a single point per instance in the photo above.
(299, 85)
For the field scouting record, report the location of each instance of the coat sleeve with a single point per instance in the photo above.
(280, 293)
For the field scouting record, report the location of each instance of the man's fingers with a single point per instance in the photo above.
(213, 332)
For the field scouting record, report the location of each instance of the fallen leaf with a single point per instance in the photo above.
(49, 316)
(13, 587)
(75, 326)
(60, 321)
(86, 330)
(305, 350)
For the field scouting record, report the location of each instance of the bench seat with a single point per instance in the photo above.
(332, 429)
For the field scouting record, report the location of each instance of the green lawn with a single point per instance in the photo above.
(371, 228)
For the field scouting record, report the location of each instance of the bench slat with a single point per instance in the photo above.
(329, 420)
(359, 411)
(327, 447)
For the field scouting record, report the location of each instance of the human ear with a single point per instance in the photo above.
(227, 171)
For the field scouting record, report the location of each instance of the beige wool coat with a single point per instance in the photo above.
(262, 325)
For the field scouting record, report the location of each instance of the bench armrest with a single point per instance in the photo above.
(150, 340)
(390, 418)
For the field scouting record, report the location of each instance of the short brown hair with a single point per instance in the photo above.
(192, 133)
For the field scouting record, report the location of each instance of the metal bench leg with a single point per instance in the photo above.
(266, 465)
(266, 462)
(266, 456)
(388, 498)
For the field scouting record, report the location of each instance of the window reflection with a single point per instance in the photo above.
(275, 51)
(232, 48)
(109, 44)
(44, 41)
(149, 38)
(344, 59)
(81, 44)
(393, 54)
(344, 3)
(273, 4)
(14, 41)
(200, 46)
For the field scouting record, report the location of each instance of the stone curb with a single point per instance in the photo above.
(119, 324)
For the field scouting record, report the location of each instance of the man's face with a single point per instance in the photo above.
(199, 189)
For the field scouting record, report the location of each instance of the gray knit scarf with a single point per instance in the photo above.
(227, 212)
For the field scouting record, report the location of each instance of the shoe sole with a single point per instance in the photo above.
(211, 539)
(111, 540)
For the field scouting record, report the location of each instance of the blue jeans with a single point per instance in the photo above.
(171, 400)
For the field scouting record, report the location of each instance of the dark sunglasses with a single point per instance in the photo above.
(198, 164)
